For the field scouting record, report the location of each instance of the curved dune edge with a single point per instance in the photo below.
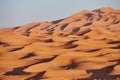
(84, 46)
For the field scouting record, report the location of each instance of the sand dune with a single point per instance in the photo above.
(84, 46)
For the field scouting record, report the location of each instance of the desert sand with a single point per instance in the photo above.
(84, 46)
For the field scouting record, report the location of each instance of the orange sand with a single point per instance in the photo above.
(84, 46)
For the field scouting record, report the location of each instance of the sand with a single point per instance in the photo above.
(84, 46)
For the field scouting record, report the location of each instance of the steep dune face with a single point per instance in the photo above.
(84, 46)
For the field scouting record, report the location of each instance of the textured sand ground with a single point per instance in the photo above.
(84, 46)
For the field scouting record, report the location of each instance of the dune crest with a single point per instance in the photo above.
(84, 46)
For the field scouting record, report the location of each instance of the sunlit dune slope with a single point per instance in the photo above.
(84, 46)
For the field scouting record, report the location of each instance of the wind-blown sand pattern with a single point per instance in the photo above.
(84, 46)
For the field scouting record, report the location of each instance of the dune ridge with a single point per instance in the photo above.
(84, 46)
